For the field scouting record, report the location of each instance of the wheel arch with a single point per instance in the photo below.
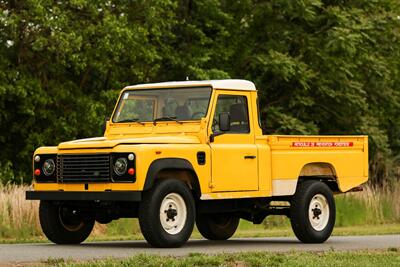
(177, 168)
(321, 171)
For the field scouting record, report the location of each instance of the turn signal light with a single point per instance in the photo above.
(131, 171)
(37, 172)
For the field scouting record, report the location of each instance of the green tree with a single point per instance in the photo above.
(321, 67)
(61, 60)
(325, 67)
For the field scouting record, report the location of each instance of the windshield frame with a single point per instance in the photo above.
(120, 102)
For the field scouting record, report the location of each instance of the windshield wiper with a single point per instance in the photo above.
(132, 120)
(166, 119)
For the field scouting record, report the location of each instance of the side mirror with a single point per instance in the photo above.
(224, 122)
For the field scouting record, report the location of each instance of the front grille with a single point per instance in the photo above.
(83, 168)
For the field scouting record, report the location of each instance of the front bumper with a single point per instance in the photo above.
(134, 196)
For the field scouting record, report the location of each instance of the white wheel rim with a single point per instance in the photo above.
(318, 212)
(173, 213)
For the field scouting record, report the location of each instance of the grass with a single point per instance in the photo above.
(373, 211)
(371, 206)
(18, 217)
(390, 257)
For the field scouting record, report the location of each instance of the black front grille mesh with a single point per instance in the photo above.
(83, 168)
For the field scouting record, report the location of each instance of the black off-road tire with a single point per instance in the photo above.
(150, 218)
(215, 226)
(300, 207)
(58, 229)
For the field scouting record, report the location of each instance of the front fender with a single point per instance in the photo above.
(168, 164)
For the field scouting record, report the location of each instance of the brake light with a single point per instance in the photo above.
(37, 172)
(131, 171)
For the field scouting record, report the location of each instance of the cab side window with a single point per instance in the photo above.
(236, 106)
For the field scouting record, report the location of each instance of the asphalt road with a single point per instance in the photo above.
(19, 253)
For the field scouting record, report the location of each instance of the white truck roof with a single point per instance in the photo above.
(231, 84)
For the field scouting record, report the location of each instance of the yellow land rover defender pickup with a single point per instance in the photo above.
(178, 153)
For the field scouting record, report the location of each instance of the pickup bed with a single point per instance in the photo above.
(177, 154)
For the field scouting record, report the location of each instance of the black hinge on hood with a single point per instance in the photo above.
(201, 158)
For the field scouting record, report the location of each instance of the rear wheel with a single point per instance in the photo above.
(313, 212)
(167, 214)
(217, 226)
(63, 225)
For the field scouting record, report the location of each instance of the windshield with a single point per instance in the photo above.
(178, 104)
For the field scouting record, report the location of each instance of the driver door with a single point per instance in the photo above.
(234, 153)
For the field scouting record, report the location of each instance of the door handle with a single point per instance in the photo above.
(249, 157)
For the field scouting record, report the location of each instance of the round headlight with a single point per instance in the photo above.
(49, 167)
(120, 166)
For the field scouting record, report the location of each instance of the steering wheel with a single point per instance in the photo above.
(201, 113)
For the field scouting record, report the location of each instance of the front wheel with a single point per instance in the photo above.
(313, 212)
(167, 214)
(63, 225)
(217, 226)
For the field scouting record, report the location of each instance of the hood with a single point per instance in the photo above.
(103, 142)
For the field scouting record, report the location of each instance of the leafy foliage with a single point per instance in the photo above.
(322, 67)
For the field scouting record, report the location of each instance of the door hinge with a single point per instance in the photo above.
(211, 185)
